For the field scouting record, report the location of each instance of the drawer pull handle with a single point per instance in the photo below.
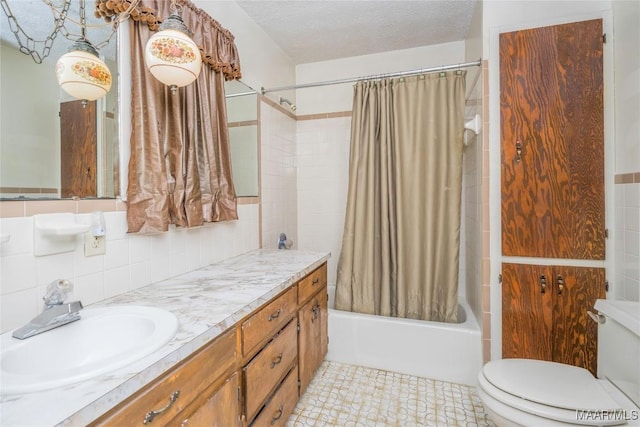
(278, 415)
(152, 414)
(315, 281)
(275, 315)
(276, 361)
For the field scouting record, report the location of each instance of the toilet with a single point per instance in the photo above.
(536, 393)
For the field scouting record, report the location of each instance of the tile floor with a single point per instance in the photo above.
(355, 396)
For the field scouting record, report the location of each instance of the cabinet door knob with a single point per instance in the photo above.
(518, 151)
(148, 419)
(543, 283)
(560, 285)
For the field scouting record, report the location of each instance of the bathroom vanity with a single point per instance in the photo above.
(252, 332)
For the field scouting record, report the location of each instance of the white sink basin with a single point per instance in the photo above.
(103, 340)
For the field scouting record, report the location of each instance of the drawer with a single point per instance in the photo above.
(312, 283)
(268, 320)
(264, 372)
(281, 405)
(188, 381)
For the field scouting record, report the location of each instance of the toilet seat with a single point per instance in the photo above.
(547, 389)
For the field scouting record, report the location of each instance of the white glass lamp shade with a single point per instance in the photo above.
(173, 58)
(83, 75)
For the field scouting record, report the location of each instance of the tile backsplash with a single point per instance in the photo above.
(130, 262)
(626, 284)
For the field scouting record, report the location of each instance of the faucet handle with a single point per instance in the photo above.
(57, 291)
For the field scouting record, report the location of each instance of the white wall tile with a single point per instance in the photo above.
(89, 288)
(18, 308)
(117, 281)
(52, 267)
(140, 274)
(117, 254)
(20, 232)
(87, 264)
(18, 273)
(131, 261)
(627, 242)
(631, 217)
(139, 248)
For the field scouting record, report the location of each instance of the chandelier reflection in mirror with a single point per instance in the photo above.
(80, 72)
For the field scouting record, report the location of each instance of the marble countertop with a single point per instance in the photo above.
(206, 302)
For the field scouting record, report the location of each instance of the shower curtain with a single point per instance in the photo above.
(400, 246)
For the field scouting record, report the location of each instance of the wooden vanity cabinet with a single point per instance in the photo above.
(313, 323)
(222, 409)
(250, 375)
(271, 390)
(182, 392)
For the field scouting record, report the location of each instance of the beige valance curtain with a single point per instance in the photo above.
(400, 246)
(180, 168)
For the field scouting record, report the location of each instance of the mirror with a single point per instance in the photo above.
(53, 146)
(242, 117)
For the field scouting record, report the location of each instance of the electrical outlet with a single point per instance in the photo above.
(94, 245)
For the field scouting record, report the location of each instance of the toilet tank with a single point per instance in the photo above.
(619, 345)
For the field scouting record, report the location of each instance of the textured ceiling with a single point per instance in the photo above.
(310, 30)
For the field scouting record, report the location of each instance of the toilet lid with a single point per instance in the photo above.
(549, 383)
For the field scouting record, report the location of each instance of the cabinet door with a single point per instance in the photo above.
(313, 339)
(222, 409)
(78, 149)
(553, 325)
(552, 141)
(575, 334)
(527, 312)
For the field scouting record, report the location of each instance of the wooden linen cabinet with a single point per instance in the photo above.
(552, 187)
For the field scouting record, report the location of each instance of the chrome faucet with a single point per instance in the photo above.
(55, 313)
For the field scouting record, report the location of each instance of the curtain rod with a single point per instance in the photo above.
(379, 76)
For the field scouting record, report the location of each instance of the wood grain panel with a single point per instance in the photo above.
(264, 324)
(221, 410)
(265, 371)
(575, 334)
(580, 51)
(551, 104)
(313, 339)
(278, 408)
(527, 314)
(78, 149)
(191, 378)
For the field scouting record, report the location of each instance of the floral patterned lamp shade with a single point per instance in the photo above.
(82, 74)
(170, 54)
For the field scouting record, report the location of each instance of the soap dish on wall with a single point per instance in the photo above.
(56, 233)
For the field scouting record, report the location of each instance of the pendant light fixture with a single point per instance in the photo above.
(171, 55)
(80, 72)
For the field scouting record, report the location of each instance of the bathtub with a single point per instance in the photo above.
(443, 351)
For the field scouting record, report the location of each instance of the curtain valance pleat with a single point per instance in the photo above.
(216, 43)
